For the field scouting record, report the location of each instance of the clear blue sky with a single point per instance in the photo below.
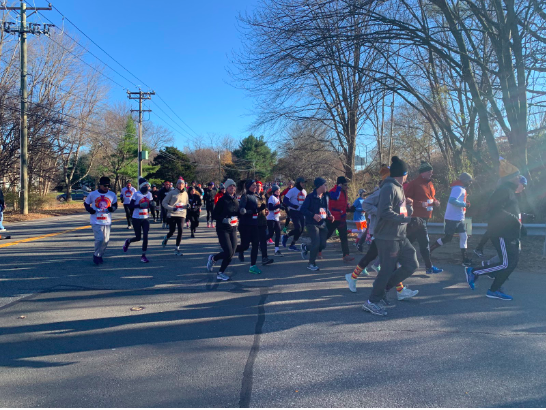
(180, 48)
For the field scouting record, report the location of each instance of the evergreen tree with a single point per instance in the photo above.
(256, 157)
(172, 163)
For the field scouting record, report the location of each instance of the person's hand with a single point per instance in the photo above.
(436, 203)
(317, 217)
(111, 209)
(92, 211)
(331, 218)
(409, 201)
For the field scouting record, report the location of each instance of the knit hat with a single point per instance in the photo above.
(361, 191)
(300, 179)
(523, 180)
(248, 183)
(222, 186)
(341, 180)
(141, 182)
(275, 188)
(398, 167)
(319, 182)
(424, 167)
(180, 181)
(104, 181)
(228, 183)
(384, 172)
(507, 170)
(465, 178)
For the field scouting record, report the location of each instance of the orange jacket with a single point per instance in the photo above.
(420, 190)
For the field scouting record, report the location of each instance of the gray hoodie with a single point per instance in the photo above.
(392, 212)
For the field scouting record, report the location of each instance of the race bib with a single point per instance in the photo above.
(323, 213)
(276, 211)
(254, 216)
(519, 217)
(300, 198)
(128, 194)
(143, 212)
(102, 217)
(179, 206)
(404, 210)
(233, 220)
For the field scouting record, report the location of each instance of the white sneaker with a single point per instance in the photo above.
(178, 252)
(210, 263)
(351, 282)
(221, 276)
(406, 293)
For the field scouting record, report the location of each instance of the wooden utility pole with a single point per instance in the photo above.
(9, 27)
(140, 96)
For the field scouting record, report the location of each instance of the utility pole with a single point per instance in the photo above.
(9, 27)
(219, 169)
(140, 96)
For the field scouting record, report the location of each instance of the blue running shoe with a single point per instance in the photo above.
(303, 251)
(498, 295)
(294, 248)
(284, 239)
(470, 277)
(434, 269)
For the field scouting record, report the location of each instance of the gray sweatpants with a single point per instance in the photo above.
(319, 236)
(102, 237)
(391, 253)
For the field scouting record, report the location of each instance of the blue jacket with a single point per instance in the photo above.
(359, 214)
(313, 206)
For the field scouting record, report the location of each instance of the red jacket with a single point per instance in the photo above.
(420, 190)
(338, 203)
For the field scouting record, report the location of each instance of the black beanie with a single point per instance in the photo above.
(319, 182)
(248, 183)
(341, 180)
(398, 167)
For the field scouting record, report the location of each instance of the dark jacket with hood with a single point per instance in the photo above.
(226, 207)
(315, 205)
(504, 213)
(393, 213)
(249, 209)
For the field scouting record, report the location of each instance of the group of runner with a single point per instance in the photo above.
(389, 220)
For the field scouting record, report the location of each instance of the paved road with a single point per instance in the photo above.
(286, 338)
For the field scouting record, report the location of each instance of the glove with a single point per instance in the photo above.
(111, 209)
(351, 209)
(92, 211)
(261, 208)
(243, 211)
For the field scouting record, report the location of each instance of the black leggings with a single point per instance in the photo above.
(298, 221)
(175, 222)
(155, 212)
(262, 232)
(209, 213)
(194, 220)
(249, 235)
(274, 228)
(370, 256)
(228, 242)
(128, 214)
(141, 226)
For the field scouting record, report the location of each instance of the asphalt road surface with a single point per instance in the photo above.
(166, 334)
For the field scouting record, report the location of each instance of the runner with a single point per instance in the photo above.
(281, 198)
(208, 198)
(339, 206)
(194, 210)
(455, 216)
(248, 225)
(369, 205)
(226, 215)
(220, 193)
(262, 223)
(504, 227)
(155, 204)
(293, 200)
(161, 196)
(393, 214)
(176, 203)
(359, 218)
(125, 196)
(140, 204)
(316, 212)
(101, 204)
(422, 191)
(479, 249)
(273, 217)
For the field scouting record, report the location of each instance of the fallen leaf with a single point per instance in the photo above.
(22, 317)
(135, 309)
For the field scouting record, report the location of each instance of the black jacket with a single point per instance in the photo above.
(208, 197)
(162, 194)
(504, 213)
(195, 203)
(313, 205)
(226, 207)
(249, 209)
(2, 204)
